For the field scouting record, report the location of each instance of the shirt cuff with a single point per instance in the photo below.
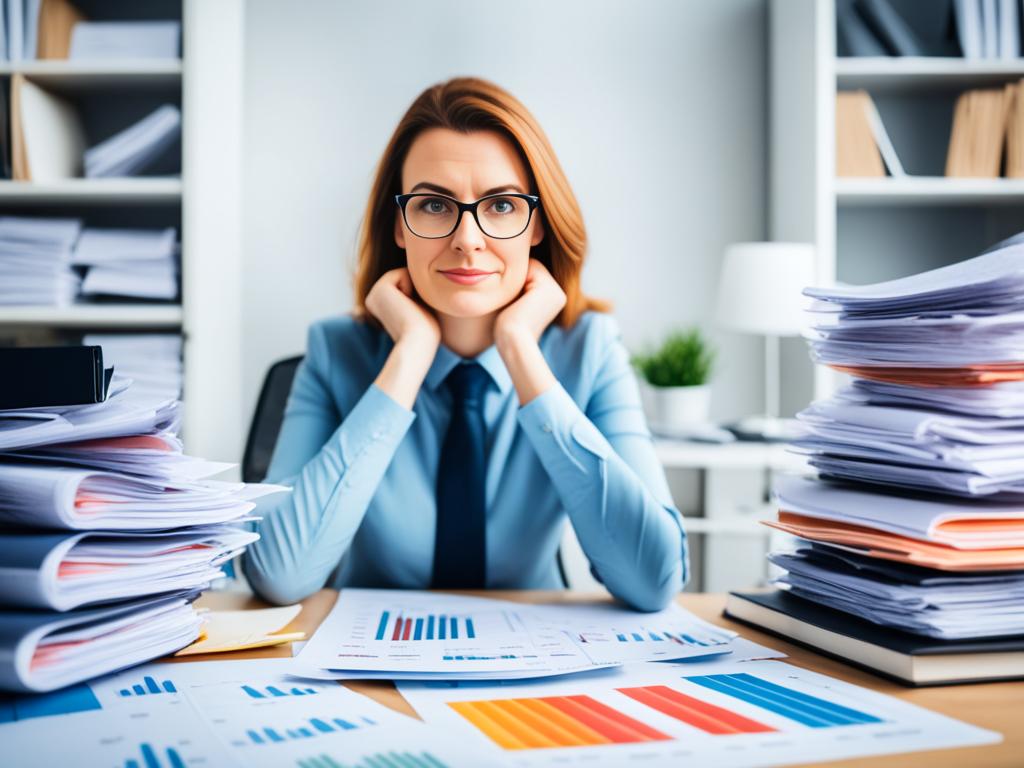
(376, 418)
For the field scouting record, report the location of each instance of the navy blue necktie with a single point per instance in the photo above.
(460, 554)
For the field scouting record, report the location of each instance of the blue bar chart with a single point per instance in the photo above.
(148, 686)
(660, 636)
(273, 691)
(432, 626)
(151, 759)
(794, 705)
(314, 726)
(77, 698)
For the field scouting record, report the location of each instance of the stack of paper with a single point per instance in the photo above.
(98, 504)
(132, 150)
(151, 360)
(917, 517)
(137, 263)
(106, 40)
(35, 260)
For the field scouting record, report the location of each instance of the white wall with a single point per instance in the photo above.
(657, 110)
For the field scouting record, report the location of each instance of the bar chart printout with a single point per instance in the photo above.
(151, 758)
(726, 714)
(148, 686)
(396, 627)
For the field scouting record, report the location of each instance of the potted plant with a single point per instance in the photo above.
(674, 380)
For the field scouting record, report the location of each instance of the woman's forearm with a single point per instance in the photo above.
(405, 369)
(526, 365)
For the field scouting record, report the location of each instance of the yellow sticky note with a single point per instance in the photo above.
(238, 630)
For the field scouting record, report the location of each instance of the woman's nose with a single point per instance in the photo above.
(467, 235)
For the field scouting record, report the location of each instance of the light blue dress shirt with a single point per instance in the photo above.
(363, 469)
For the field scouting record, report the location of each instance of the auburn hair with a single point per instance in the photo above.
(468, 104)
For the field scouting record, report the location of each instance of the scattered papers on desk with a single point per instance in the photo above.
(61, 571)
(717, 713)
(945, 606)
(238, 630)
(222, 713)
(42, 651)
(132, 150)
(397, 634)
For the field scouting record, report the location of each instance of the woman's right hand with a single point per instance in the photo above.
(412, 327)
(391, 301)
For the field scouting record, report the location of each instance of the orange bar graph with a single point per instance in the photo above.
(554, 721)
(699, 714)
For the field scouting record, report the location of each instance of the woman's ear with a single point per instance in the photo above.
(538, 231)
(399, 231)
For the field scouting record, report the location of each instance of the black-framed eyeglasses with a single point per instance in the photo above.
(432, 215)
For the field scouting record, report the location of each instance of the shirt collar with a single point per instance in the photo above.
(489, 360)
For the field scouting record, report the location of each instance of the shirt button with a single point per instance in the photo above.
(547, 426)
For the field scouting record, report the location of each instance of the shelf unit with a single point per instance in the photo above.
(204, 203)
(867, 230)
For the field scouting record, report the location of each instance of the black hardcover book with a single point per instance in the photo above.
(39, 377)
(900, 655)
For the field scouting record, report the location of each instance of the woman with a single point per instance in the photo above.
(439, 435)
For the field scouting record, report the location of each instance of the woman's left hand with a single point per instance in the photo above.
(537, 306)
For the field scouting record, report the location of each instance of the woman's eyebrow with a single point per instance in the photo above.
(441, 190)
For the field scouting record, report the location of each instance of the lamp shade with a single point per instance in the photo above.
(761, 285)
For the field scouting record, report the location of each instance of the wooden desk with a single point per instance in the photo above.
(996, 706)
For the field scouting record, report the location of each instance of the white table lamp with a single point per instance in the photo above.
(760, 291)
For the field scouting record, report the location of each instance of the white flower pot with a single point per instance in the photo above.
(676, 408)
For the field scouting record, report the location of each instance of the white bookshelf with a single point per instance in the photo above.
(113, 316)
(203, 203)
(140, 191)
(865, 230)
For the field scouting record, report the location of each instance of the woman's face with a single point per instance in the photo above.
(465, 166)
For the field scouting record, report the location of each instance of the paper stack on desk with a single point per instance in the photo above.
(108, 534)
(916, 521)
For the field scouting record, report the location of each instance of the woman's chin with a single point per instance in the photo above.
(469, 306)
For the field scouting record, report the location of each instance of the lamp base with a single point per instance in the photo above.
(766, 429)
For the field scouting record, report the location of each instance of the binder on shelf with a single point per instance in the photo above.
(57, 18)
(47, 138)
(978, 133)
(1014, 168)
(863, 147)
(40, 377)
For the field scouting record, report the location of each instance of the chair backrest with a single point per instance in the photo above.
(266, 421)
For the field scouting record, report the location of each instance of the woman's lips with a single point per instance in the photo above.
(463, 278)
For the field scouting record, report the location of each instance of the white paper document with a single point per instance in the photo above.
(398, 634)
(228, 713)
(705, 714)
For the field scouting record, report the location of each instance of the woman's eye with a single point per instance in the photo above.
(502, 206)
(433, 205)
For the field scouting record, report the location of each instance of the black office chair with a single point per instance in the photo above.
(266, 421)
(266, 425)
